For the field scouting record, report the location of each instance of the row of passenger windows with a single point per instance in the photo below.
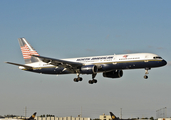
(98, 58)
(129, 58)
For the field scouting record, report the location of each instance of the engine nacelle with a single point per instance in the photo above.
(113, 74)
(21, 68)
(89, 69)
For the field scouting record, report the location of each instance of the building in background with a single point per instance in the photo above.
(105, 117)
(62, 118)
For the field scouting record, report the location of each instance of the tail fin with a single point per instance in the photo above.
(113, 116)
(27, 50)
(32, 117)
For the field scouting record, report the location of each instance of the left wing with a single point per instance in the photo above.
(61, 63)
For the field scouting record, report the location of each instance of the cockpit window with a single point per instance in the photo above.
(157, 57)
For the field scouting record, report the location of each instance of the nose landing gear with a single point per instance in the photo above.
(146, 72)
(145, 77)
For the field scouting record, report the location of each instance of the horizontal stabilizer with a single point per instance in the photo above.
(26, 66)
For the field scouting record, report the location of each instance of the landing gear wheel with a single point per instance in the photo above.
(94, 81)
(80, 78)
(90, 82)
(145, 77)
(146, 72)
(75, 80)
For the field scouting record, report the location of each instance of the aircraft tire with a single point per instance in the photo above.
(145, 77)
(80, 79)
(94, 81)
(75, 80)
(90, 82)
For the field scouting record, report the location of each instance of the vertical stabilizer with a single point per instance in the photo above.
(32, 117)
(27, 50)
(113, 116)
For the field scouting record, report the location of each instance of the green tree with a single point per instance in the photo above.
(151, 118)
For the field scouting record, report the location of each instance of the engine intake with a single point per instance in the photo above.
(89, 69)
(113, 74)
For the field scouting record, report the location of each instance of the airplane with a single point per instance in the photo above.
(30, 118)
(111, 66)
(115, 118)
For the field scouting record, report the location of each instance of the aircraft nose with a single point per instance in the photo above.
(164, 62)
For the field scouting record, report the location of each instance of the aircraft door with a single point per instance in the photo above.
(114, 57)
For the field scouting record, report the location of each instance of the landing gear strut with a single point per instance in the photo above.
(78, 78)
(93, 80)
(146, 72)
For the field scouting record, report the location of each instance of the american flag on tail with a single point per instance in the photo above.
(27, 53)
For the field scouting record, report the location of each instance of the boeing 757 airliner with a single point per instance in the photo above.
(111, 66)
(30, 118)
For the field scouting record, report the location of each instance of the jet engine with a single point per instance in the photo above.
(113, 74)
(89, 69)
(21, 68)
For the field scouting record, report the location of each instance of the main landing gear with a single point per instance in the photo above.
(78, 78)
(146, 72)
(93, 80)
(90, 81)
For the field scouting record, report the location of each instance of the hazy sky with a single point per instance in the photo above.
(65, 29)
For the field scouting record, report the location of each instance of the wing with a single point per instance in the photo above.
(61, 63)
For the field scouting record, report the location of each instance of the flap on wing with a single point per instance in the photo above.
(26, 66)
(58, 62)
